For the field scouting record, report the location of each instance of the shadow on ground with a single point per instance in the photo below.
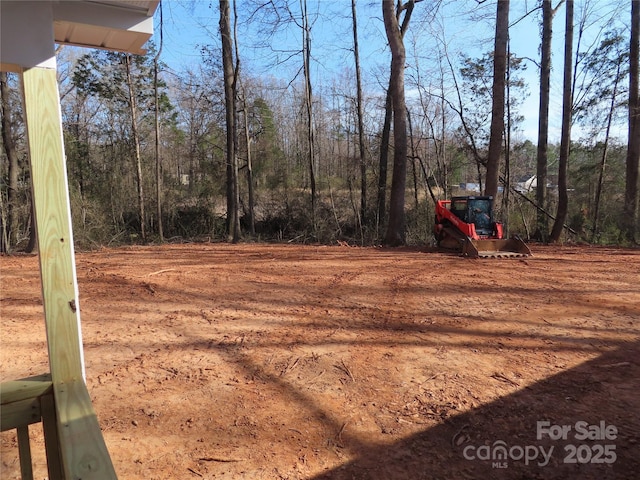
(451, 449)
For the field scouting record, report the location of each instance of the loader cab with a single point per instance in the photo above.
(476, 210)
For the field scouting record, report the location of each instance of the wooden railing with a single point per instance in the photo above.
(25, 402)
(73, 441)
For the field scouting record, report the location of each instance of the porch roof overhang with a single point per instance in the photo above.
(29, 29)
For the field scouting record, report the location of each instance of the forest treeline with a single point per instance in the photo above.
(215, 152)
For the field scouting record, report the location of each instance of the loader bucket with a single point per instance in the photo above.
(508, 247)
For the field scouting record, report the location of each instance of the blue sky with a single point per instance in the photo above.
(191, 23)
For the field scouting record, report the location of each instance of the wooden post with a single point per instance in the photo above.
(53, 220)
(29, 31)
(26, 467)
(83, 452)
(51, 437)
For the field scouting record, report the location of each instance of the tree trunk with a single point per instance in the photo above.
(308, 97)
(359, 106)
(395, 235)
(603, 160)
(360, 114)
(157, 153)
(11, 227)
(629, 223)
(386, 129)
(233, 219)
(157, 135)
(443, 168)
(252, 201)
(414, 156)
(237, 229)
(542, 225)
(507, 149)
(383, 162)
(136, 143)
(32, 246)
(497, 110)
(4, 241)
(565, 139)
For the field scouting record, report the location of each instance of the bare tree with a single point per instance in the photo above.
(250, 180)
(136, 144)
(360, 115)
(605, 65)
(565, 138)
(10, 228)
(542, 225)
(32, 245)
(498, 89)
(396, 227)
(435, 116)
(308, 100)
(633, 147)
(157, 134)
(383, 161)
(386, 129)
(230, 87)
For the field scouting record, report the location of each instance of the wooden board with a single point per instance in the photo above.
(20, 401)
(51, 437)
(31, 387)
(75, 438)
(53, 220)
(20, 414)
(24, 447)
(82, 449)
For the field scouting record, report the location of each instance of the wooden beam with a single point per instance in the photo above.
(82, 449)
(20, 401)
(20, 414)
(31, 387)
(53, 220)
(24, 449)
(51, 437)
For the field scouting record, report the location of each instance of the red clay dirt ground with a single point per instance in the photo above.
(256, 361)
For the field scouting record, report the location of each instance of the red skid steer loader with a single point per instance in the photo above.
(466, 224)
